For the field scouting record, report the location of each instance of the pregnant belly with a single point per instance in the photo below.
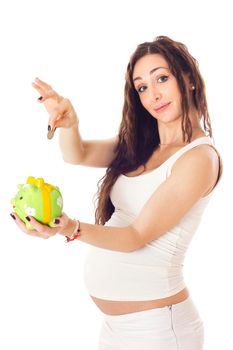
(121, 283)
(111, 307)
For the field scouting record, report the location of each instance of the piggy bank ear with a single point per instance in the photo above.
(30, 180)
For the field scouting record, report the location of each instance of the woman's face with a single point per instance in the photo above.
(157, 88)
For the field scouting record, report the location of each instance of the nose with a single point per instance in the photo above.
(154, 94)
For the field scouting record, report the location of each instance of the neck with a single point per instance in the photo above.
(176, 141)
(171, 133)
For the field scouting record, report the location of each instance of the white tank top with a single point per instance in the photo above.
(154, 271)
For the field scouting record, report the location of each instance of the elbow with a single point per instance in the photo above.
(136, 241)
(69, 161)
(72, 161)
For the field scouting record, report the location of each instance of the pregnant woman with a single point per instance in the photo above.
(162, 168)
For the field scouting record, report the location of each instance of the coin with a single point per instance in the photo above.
(50, 133)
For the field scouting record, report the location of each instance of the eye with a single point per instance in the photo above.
(141, 89)
(20, 197)
(163, 79)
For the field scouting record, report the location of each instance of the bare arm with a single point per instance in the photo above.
(94, 153)
(194, 174)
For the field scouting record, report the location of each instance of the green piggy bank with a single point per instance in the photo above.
(38, 199)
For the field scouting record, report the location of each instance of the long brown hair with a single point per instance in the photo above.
(138, 132)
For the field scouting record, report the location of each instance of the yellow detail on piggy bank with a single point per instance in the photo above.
(38, 199)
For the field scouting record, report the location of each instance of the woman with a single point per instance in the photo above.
(161, 172)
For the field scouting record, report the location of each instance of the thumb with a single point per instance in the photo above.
(61, 221)
(55, 118)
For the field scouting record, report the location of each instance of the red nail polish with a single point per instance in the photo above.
(27, 218)
(13, 217)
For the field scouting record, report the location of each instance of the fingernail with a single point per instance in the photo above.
(56, 221)
(49, 127)
(40, 98)
(13, 216)
(27, 218)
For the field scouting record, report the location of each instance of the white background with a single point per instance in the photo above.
(82, 50)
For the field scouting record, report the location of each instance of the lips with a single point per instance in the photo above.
(162, 107)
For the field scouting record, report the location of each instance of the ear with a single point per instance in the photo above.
(189, 82)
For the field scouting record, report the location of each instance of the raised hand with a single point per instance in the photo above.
(60, 109)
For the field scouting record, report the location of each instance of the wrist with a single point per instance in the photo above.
(76, 232)
(75, 124)
(69, 130)
(69, 228)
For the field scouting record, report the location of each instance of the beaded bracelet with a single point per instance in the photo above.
(76, 234)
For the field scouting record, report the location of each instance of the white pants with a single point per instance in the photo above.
(175, 327)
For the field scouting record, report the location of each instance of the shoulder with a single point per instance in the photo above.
(202, 162)
(204, 154)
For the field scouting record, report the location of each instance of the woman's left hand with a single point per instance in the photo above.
(64, 226)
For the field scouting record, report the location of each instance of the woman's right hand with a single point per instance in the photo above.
(60, 109)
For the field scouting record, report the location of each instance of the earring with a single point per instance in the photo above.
(192, 87)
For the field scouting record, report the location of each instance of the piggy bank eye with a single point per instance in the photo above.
(20, 197)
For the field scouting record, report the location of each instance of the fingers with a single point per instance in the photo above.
(45, 91)
(60, 109)
(55, 117)
(52, 122)
(42, 84)
(60, 115)
(21, 224)
(40, 230)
